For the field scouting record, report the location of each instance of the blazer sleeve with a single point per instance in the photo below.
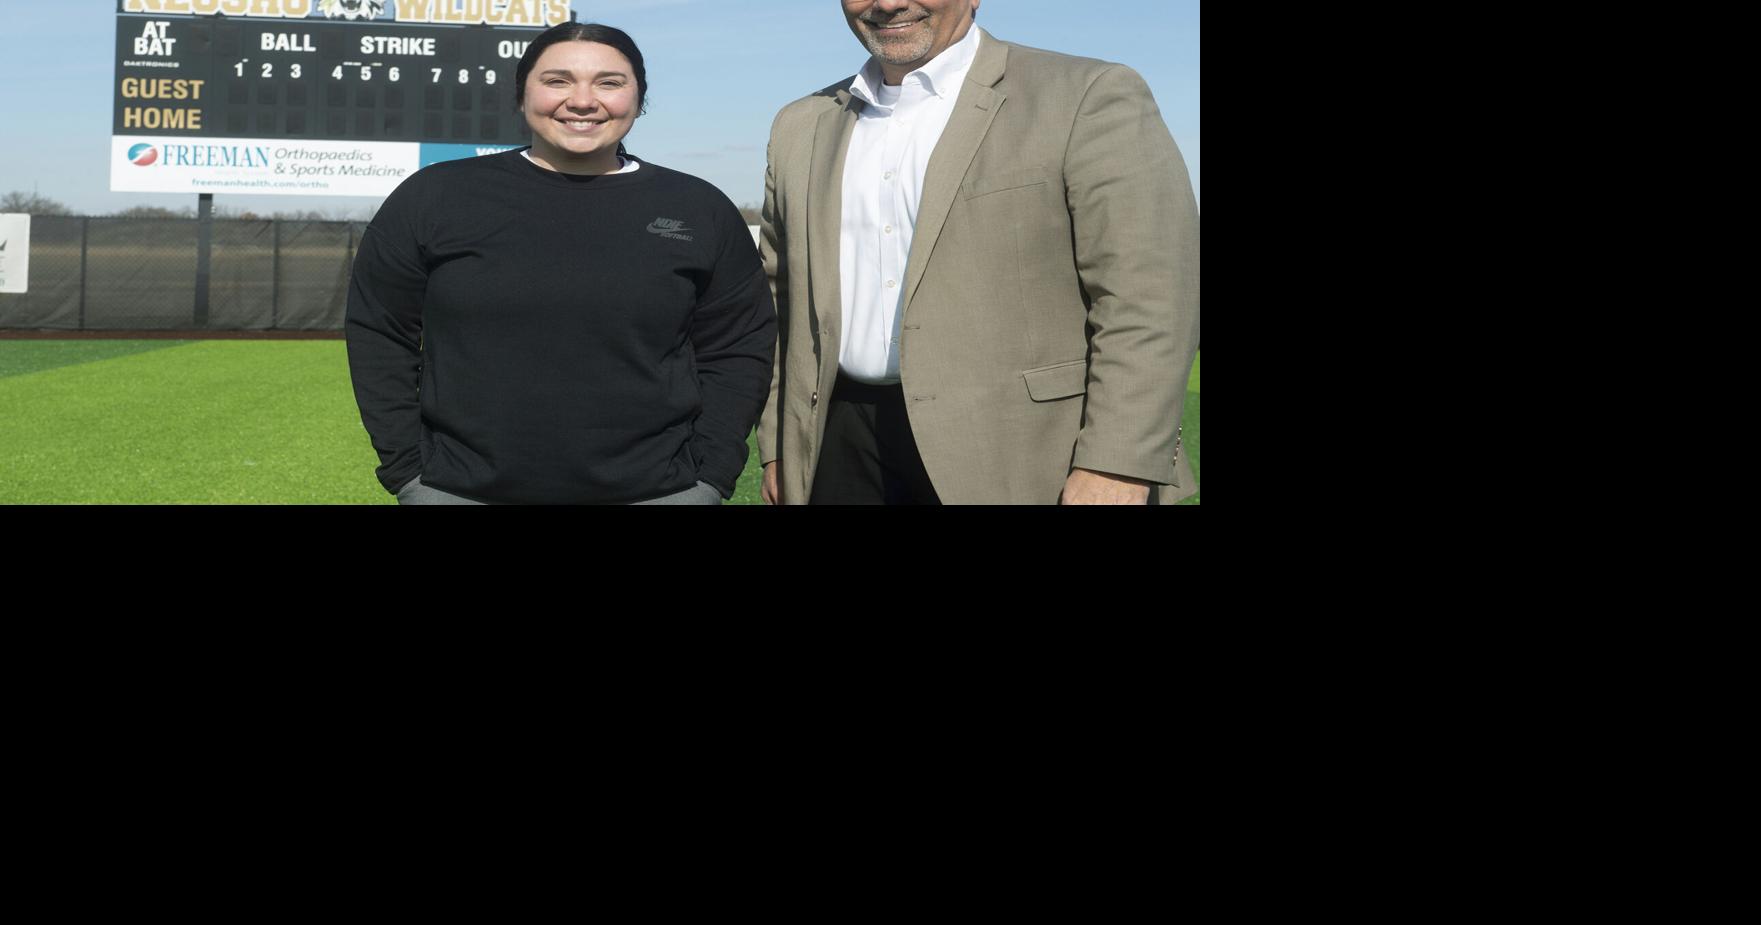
(383, 328)
(1135, 234)
(772, 245)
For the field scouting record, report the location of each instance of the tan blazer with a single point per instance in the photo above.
(1052, 294)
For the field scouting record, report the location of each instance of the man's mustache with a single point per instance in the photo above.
(896, 20)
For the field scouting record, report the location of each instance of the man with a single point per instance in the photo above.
(986, 260)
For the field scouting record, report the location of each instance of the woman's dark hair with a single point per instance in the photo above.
(583, 32)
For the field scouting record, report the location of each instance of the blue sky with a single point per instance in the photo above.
(717, 71)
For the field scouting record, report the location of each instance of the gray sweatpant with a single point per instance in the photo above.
(417, 493)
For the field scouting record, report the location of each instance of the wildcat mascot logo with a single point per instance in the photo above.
(352, 9)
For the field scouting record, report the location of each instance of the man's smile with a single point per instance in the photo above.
(888, 28)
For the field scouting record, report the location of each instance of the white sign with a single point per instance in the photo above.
(15, 252)
(169, 164)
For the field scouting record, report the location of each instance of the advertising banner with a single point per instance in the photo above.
(434, 154)
(15, 252)
(153, 164)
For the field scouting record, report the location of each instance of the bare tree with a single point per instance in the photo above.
(154, 212)
(302, 215)
(33, 204)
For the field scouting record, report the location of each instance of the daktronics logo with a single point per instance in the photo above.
(143, 155)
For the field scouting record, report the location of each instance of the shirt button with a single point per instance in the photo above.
(891, 284)
(888, 229)
(887, 176)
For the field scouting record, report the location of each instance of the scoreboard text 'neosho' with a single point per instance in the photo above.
(458, 12)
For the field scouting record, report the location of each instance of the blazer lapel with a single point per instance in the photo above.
(825, 215)
(973, 111)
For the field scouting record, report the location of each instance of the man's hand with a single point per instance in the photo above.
(1086, 486)
(768, 491)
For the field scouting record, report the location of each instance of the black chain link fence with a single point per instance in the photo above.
(135, 274)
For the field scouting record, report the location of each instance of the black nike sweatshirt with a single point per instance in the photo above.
(526, 336)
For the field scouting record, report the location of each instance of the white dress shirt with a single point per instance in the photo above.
(895, 133)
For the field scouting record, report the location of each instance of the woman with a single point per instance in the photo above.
(561, 323)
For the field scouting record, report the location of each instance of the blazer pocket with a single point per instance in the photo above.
(998, 182)
(1060, 381)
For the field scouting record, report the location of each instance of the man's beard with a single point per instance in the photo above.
(899, 50)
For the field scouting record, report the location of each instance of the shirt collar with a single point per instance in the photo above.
(942, 76)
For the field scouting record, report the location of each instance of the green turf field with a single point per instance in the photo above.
(210, 422)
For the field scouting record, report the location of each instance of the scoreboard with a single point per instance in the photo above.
(313, 97)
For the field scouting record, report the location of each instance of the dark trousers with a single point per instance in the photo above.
(868, 455)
